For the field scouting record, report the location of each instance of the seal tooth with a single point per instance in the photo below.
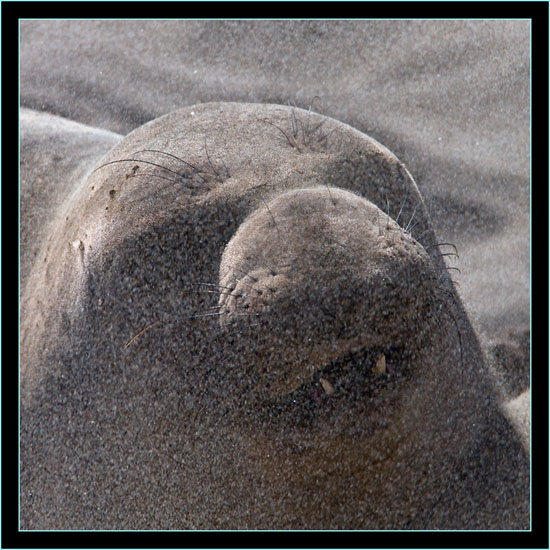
(327, 386)
(380, 366)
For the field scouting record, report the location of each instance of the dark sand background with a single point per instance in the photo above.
(450, 99)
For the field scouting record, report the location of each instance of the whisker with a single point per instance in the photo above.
(442, 244)
(137, 160)
(450, 295)
(309, 111)
(271, 214)
(330, 195)
(227, 175)
(220, 292)
(410, 230)
(207, 314)
(214, 284)
(156, 176)
(444, 310)
(451, 279)
(226, 293)
(141, 332)
(210, 162)
(292, 143)
(402, 205)
(445, 291)
(422, 234)
(175, 182)
(322, 137)
(448, 267)
(197, 171)
(414, 212)
(292, 117)
(450, 254)
(306, 141)
(311, 102)
(244, 272)
(256, 280)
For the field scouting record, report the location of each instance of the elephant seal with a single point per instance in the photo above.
(243, 319)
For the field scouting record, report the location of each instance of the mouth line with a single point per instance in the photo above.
(363, 380)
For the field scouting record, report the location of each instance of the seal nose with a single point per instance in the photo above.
(316, 272)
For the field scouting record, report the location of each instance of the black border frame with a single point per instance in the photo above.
(538, 537)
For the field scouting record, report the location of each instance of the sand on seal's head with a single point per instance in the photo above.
(400, 432)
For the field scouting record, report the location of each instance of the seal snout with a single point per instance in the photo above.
(324, 269)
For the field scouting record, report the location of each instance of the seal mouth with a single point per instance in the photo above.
(359, 384)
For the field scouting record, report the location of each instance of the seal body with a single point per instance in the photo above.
(307, 363)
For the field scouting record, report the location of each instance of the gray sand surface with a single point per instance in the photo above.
(450, 99)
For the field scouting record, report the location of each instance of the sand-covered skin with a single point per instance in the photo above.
(184, 415)
(451, 99)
